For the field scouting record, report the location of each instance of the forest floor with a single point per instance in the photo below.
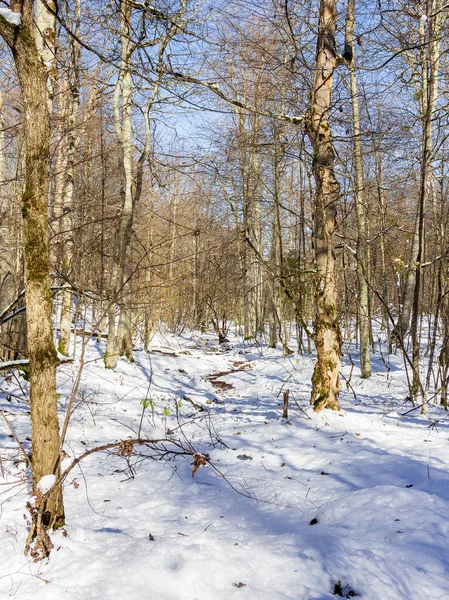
(352, 503)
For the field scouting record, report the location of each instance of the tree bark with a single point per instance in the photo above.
(122, 117)
(428, 93)
(327, 335)
(362, 263)
(430, 70)
(69, 184)
(43, 400)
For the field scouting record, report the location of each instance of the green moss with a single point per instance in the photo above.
(25, 370)
(36, 253)
(62, 347)
(25, 208)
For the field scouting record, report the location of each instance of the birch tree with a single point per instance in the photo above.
(166, 28)
(362, 234)
(69, 145)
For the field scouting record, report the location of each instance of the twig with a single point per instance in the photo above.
(25, 453)
(411, 410)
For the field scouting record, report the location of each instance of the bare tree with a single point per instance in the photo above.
(42, 354)
(327, 336)
(362, 233)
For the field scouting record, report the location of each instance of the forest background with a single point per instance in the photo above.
(277, 167)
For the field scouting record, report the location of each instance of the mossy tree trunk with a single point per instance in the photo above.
(43, 400)
(327, 336)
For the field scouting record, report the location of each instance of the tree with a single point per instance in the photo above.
(20, 35)
(327, 335)
(70, 100)
(359, 193)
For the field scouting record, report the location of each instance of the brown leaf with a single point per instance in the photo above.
(199, 460)
(239, 584)
(39, 498)
(125, 448)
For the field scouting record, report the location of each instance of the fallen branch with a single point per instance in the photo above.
(162, 353)
(124, 448)
(11, 364)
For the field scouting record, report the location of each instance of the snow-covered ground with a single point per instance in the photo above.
(354, 502)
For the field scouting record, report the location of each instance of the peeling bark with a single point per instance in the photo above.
(327, 335)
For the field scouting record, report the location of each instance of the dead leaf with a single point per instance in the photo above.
(199, 460)
(239, 584)
(125, 448)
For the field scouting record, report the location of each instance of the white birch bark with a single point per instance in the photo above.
(123, 128)
(68, 191)
(362, 254)
(45, 42)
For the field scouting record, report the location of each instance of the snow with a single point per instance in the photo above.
(25, 361)
(14, 363)
(12, 17)
(46, 483)
(357, 498)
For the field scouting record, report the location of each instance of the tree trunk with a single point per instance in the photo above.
(430, 71)
(428, 93)
(42, 354)
(120, 271)
(327, 336)
(362, 263)
(69, 183)
(382, 206)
